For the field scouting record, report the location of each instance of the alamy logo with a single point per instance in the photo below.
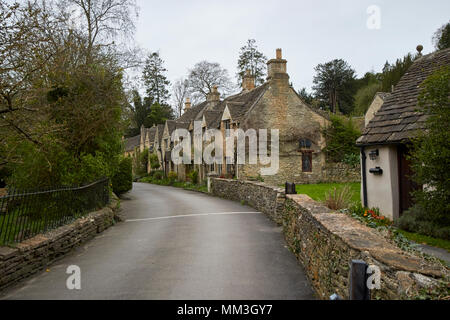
(374, 279)
(211, 147)
(74, 280)
(374, 19)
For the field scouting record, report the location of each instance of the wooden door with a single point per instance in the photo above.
(406, 184)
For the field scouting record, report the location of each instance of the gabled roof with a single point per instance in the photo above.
(133, 142)
(241, 104)
(398, 120)
(171, 125)
(151, 132)
(160, 132)
(191, 114)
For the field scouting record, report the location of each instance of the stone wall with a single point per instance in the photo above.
(290, 171)
(268, 200)
(325, 242)
(34, 255)
(341, 173)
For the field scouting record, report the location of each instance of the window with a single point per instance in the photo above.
(227, 125)
(211, 167)
(307, 161)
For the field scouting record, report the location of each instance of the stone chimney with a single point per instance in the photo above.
(187, 105)
(277, 68)
(213, 98)
(248, 81)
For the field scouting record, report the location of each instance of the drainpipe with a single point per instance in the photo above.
(364, 176)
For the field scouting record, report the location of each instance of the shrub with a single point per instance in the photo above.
(158, 175)
(172, 177)
(123, 180)
(193, 176)
(338, 199)
(352, 159)
(154, 161)
(418, 220)
(430, 156)
(341, 138)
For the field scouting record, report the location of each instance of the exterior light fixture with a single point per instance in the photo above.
(376, 171)
(374, 154)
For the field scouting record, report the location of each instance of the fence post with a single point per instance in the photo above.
(358, 289)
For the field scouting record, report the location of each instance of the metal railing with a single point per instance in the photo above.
(24, 215)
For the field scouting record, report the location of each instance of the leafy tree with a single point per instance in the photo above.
(431, 151)
(392, 74)
(340, 138)
(306, 97)
(204, 76)
(250, 58)
(441, 38)
(63, 98)
(155, 80)
(159, 114)
(334, 84)
(364, 97)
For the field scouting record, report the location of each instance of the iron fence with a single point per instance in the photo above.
(23, 215)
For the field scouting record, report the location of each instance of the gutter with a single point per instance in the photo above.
(364, 176)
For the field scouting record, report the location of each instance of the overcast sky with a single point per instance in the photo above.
(309, 32)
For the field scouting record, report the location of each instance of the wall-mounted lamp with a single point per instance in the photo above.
(376, 171)
(374, 154)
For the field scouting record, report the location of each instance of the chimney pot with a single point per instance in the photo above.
(187, 105)
(248, 81)
(277, 68)
(279, 54)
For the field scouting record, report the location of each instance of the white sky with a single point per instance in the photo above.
(309, 32)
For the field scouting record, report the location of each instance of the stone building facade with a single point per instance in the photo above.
(272, 105)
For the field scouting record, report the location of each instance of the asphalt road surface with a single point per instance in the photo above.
(177, 244)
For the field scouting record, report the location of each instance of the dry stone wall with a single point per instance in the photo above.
(325, 242)
(34, 255)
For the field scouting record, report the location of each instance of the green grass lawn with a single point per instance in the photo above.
(317, 191)
(418, 238)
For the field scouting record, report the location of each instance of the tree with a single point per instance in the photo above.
(102, 21)
(159, 114)
(180, 91)
(430, 155)
(334, 83)
(204, 76)
(252, 59)
(155, 80)
(306, 97)
(364, 97)
(441, 38)
(392, 74)
(340, 138)
(64, 123)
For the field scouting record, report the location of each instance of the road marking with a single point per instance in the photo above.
(191, 215)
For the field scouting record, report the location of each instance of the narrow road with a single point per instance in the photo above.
(178, 244)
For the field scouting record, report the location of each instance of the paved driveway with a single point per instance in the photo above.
(178, 244)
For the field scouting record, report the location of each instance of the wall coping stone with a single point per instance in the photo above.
(362, 238)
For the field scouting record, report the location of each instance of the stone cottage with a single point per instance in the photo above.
(273, 105)
(386, 172)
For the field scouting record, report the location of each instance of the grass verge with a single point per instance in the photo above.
(421, 239)
(318, 191)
